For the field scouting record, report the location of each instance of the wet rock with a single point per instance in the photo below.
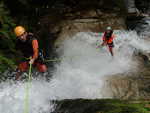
(92, 21)
(123, 87)
(143, 5)
(144, 88)
(145, 55)
(98, 106)
(131, 85)
(131, 8)
(139, 24)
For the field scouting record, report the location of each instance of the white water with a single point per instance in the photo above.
(145, 27)
(81, 73)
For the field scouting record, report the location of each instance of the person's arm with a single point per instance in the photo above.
(35, 51)
(104, 40)
(114, 36)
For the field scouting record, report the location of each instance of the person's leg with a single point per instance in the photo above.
(111, 46)
(21, 68)
(111, 50)
(41, 67)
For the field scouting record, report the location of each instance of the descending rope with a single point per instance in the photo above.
(28, 85)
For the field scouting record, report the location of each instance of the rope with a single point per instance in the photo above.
(28, 85)
(49, 60)
(52, 60)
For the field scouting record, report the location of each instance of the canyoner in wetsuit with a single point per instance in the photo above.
(28, 45)
(108, 39)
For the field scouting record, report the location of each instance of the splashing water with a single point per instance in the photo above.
(145, 28)
(80, 74)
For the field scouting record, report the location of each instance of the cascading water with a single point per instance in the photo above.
(80, 74)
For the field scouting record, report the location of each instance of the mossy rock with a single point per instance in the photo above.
(99, 106)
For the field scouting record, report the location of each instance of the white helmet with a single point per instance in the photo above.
(108, 28)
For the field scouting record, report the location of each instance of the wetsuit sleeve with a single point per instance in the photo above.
(35, 49)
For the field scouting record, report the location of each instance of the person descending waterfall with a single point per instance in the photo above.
(107, 38)
(28, 46)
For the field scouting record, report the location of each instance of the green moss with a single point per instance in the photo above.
(99, 106)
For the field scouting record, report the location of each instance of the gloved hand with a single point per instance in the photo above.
(31, 61)
(104, 44)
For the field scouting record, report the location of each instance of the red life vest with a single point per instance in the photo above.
(108, 39)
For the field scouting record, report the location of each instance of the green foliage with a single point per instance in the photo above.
(6, 63)
(7, 38)
(6, 31)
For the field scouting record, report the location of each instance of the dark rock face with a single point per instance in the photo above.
(131, 8)
(139, 24)
(143, 5)
(137, 6)
(138, 17)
